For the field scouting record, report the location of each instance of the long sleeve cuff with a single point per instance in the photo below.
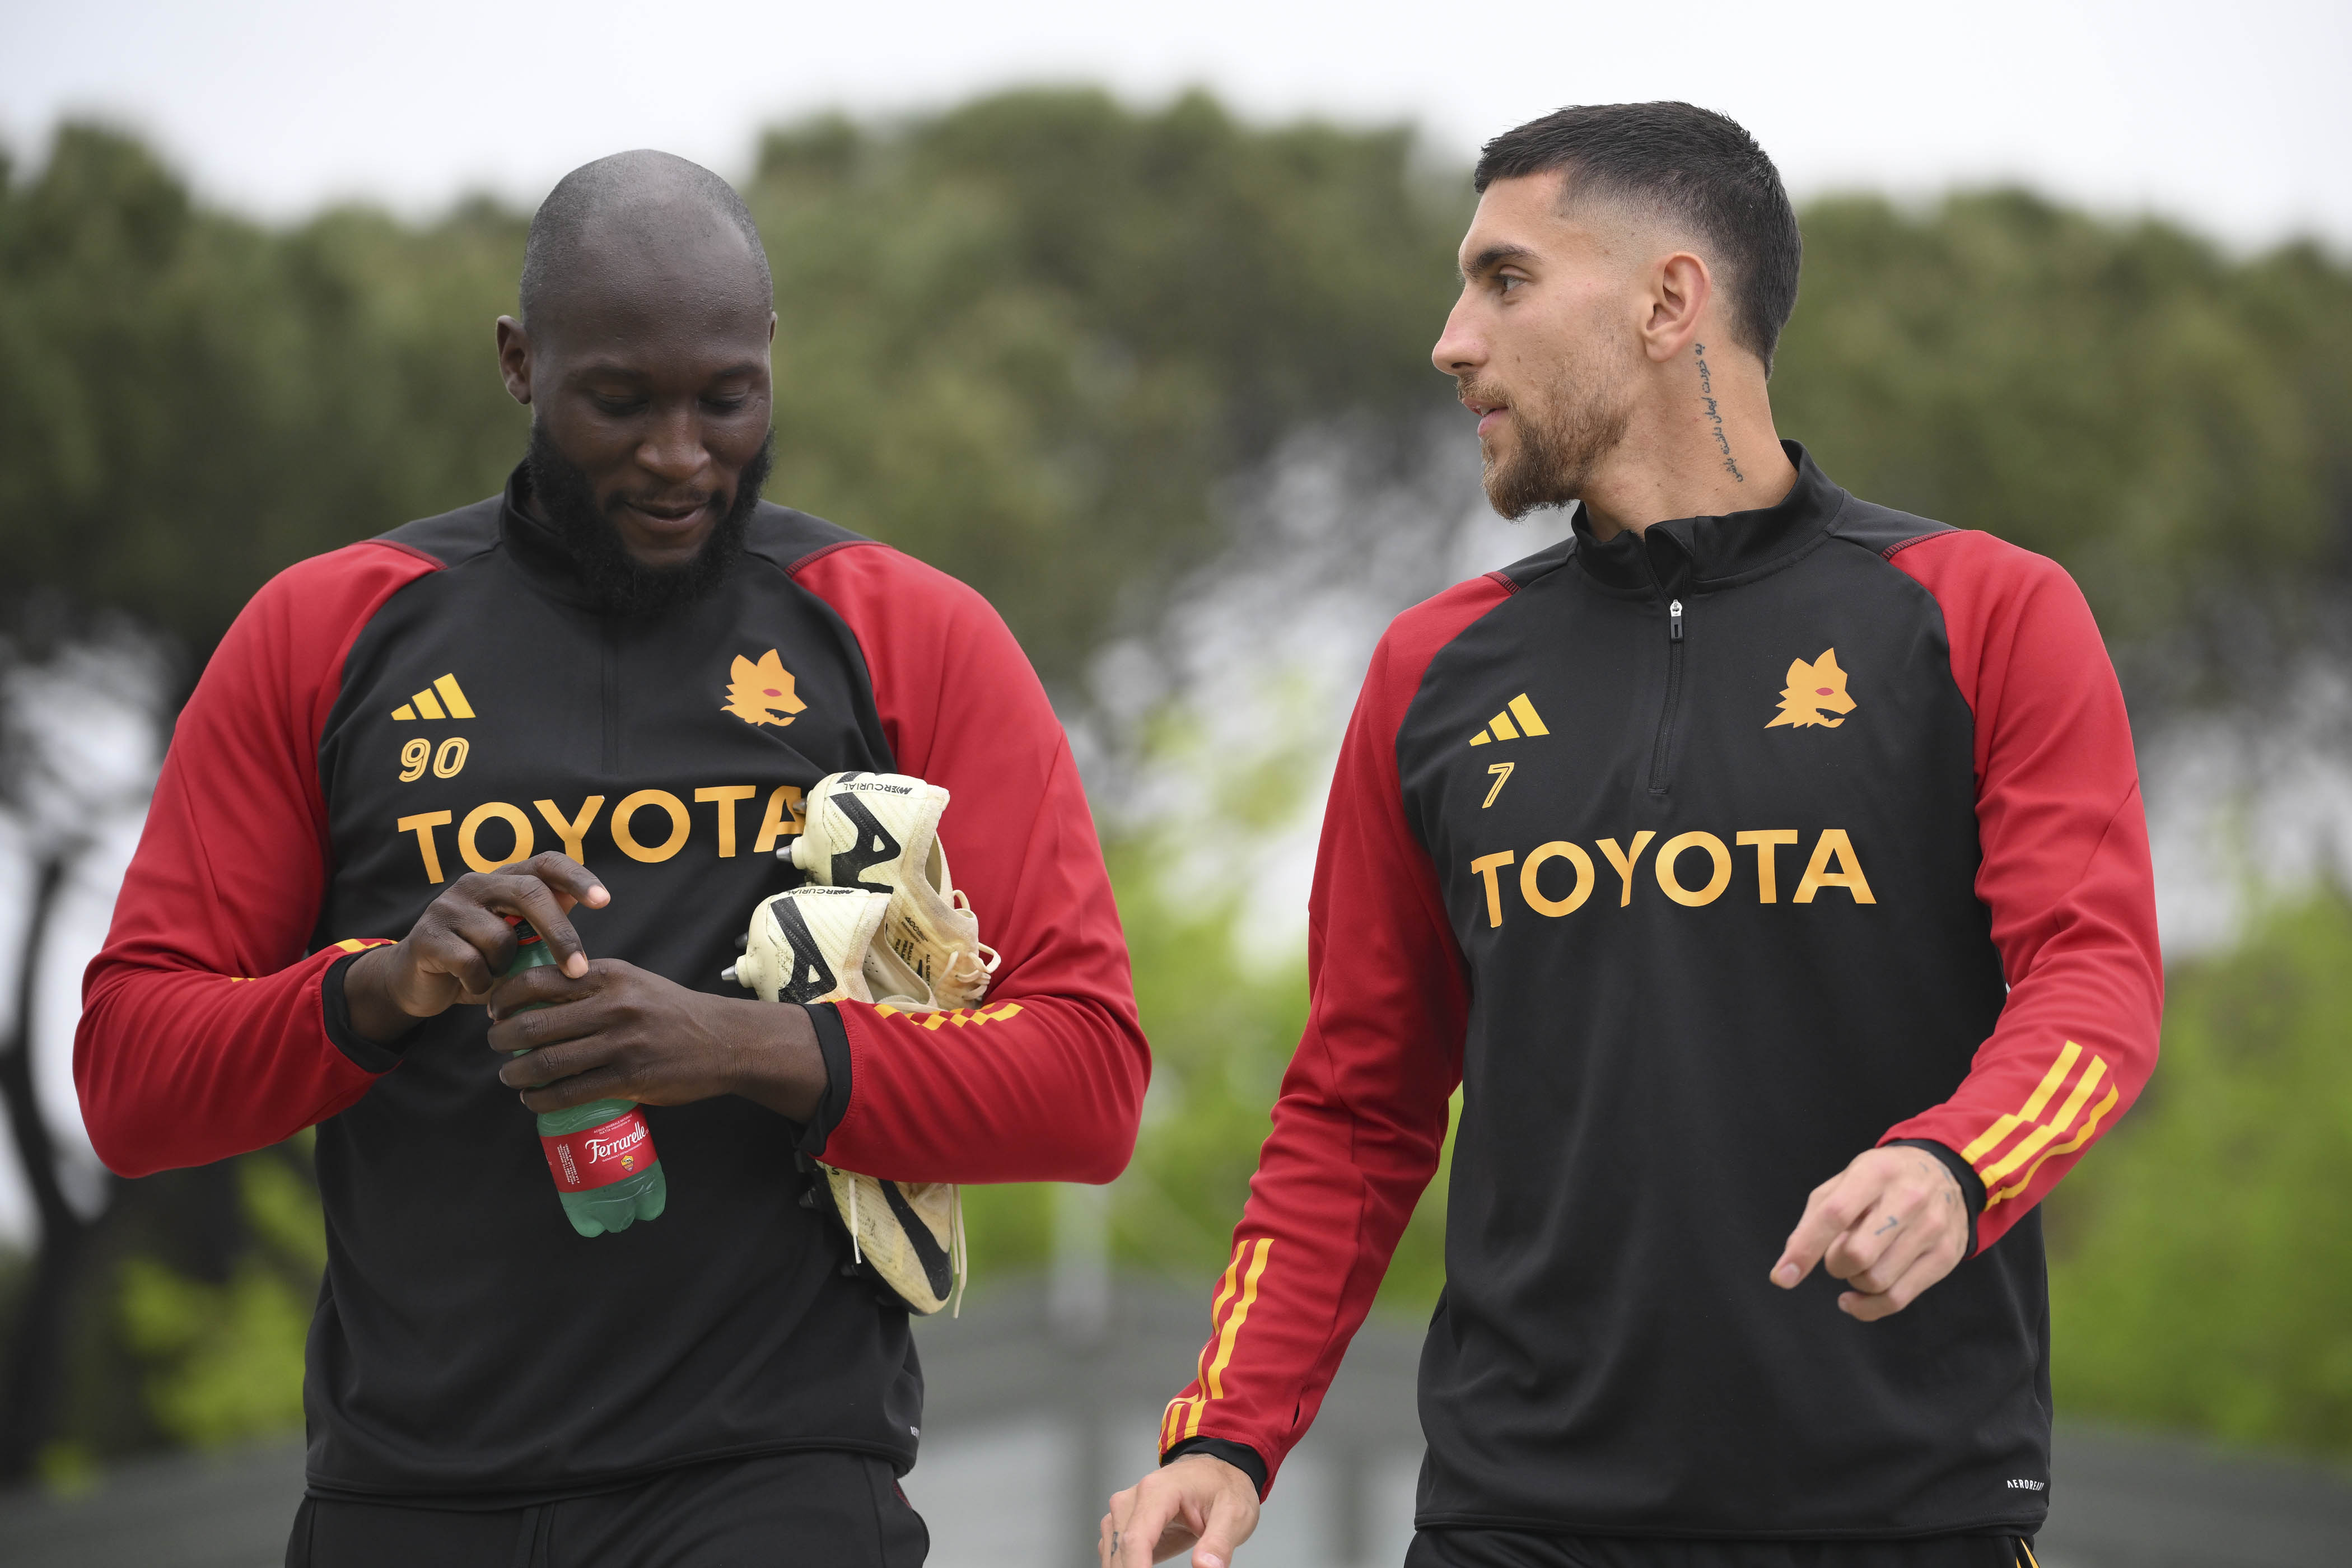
(1972, 1189)
(1240, 1455)
(833, 1042)
(369, 1055)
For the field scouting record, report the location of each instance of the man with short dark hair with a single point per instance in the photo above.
(1751, 825)
(600, 703)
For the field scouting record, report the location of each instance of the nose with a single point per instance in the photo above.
(672, 448)
(1461, 349)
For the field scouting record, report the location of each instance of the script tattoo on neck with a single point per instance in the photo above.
(1707, 396)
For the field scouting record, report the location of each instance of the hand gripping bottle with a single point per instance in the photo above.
(601, 1153)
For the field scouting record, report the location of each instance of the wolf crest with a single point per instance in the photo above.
(1814, 692)
(763, 693)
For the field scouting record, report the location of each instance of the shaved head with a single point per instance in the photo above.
(623, 212)
(642, 352)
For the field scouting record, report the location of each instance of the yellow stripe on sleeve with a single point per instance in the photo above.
(1216, 1324)
(1991, 1138)
(2090, 1130)
(2034, 1142)
(1212, 1376)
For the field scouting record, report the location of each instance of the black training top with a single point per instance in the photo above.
(444, 700)
(1704, 859)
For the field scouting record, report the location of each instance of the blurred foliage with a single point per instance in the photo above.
(2174, 426)
(2201, 1268)
(225, 1361)
(1223, 1016)
(1032, 340)
(189, 403)
(1024, 339)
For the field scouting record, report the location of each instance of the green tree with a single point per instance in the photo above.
(2173, 426)
(2201, 1271)
(1025, 340)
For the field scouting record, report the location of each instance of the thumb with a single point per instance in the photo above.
(1231, 1521)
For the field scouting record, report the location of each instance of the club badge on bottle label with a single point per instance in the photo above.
(599, 1156)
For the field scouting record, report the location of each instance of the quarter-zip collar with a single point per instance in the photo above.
(1697, 553)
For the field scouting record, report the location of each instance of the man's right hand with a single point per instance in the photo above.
(1196, 1501)
(462, 943)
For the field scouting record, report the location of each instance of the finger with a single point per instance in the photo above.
(1110, 1543)
(572, 1073)
(543, 986)
(1869, 1306)
(1232, 1519)
(1830, 1212)
(1875, 1229)
(1899, 1241)
(524, 891)
(576, 1089)
(468, 944)
(553, 1035)
(1904, 1219)
(1155, 1513)
(1937, 1241)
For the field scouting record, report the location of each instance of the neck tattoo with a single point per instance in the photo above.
(1707, 396)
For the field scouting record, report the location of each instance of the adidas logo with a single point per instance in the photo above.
(450, 704)
(1501, 727)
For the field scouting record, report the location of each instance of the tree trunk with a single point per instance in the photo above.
(35, 1362)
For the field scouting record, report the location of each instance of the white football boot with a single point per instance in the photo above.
(882, 831)
(816, 945)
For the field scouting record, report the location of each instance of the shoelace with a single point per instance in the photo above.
(854, 1251)
(956, 1252)
(969, 969)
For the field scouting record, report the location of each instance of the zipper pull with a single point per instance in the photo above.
(1674, 621)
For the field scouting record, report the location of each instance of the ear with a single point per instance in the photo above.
(514, 359)
(1680, 292)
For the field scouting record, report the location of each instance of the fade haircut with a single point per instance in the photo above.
(1691, 164)
(638, 180)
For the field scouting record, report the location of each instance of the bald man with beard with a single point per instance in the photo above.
(531, 709)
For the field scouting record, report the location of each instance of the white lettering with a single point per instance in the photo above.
(606, 1148)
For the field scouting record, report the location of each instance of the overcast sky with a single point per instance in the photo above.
(2233, 117)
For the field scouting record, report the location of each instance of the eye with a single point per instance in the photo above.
(617, 407)
(734, 403)
(1506, 282)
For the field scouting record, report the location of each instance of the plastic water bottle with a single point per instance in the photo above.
(601, 1154)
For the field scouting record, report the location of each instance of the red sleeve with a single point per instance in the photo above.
(1045, 1081)
(2065, 874)
(202, 1033)
(1360, 1121)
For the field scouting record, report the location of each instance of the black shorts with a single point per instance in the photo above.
(841, 1510)
(1510, 1549)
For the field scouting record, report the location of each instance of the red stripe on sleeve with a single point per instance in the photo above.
(202, 1033)
(2065, 873)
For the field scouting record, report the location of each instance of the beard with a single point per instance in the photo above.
(1562, 437)
(621, 585)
